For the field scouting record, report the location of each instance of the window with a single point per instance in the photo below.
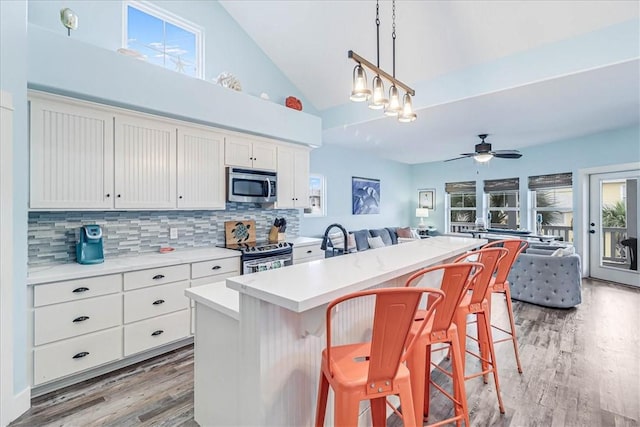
(552, 205)
(163, 38)
(503, 201)
(317, 197)
(461, 205)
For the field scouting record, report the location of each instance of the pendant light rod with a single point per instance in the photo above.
(360, 60)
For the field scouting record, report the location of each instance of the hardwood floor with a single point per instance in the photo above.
(581, 368)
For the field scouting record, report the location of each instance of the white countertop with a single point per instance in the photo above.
(218, 297)
(302, 287)
(58, 272)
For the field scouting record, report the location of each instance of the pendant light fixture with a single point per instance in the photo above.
(360, 92)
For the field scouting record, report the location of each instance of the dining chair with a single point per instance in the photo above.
(475, 303)
(500, 284)
(374, 369)
(454, 282)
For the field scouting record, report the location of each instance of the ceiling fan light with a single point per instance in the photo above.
(393, 107)
(360, 91)
(483, 157)
(407, 115)
(378, 100)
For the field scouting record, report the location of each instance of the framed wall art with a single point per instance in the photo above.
(427, 198)
(365, 196)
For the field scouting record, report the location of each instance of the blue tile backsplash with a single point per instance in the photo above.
(52, 235)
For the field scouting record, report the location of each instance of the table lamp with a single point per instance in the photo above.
(422, 213)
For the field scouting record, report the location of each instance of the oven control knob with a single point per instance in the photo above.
(253, 248)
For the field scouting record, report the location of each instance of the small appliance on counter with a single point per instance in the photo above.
(90, 249)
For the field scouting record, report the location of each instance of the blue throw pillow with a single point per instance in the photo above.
(383, 233)
(361, 239)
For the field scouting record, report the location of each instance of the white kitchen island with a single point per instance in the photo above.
(259, 337)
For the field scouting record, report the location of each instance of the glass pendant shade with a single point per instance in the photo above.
(360, 91)
(378, 100)
(393, 107)
(483, 158)
(407, 115)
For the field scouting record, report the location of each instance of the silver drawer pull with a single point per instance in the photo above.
(80, 290)
(81, 355)
(80, 319)
(156, 333)
(158, 302)
(216, 267)
(158, 277)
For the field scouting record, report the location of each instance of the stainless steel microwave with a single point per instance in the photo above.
(251, 185)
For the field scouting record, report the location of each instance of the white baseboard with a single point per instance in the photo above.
(19, 404)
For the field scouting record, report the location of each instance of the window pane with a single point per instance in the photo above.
(505, 219)
(460, 200)
(555, 197)
(145, 33)
(463, 216)
(504, 199)
(180, 49)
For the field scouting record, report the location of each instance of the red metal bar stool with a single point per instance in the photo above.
(374, 370)
(475, 302)
(500, 284)
(455, 282)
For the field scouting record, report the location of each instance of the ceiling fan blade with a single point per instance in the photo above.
(468, 154)
(511, 155)
(505, 151)
(457, 158)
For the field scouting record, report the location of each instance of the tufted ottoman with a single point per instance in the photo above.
(546, 280)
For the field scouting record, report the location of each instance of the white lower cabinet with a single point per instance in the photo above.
(153, 332)
(83, 323)
(70, 356)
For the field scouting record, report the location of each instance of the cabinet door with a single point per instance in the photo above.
(264, 155)
(201, 177)
(71, 156)
(145, 163)
(238, 152)
(286, 178)
(301, 178)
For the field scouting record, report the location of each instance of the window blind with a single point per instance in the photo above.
(551, 181)
(460, 187)
(507, 184)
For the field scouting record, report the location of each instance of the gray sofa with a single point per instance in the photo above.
(551, 281)
(389, 236)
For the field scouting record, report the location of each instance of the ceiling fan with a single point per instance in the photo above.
(483, 152)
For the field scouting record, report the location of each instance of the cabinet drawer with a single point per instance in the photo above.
(71, 290)
(154, 301)
(307, 253)
(76, 354)
(151, 333)
(70, 319)
(215, 267)
(155, 276)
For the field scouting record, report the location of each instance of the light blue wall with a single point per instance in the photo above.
(13, 79)
(607, 148)
(338, 165)
(86, 65)
(227, 47)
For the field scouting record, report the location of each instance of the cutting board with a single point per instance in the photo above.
(239, 231)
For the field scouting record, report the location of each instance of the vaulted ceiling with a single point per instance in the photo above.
(525, 72)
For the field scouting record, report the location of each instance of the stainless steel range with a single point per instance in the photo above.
(261, 256)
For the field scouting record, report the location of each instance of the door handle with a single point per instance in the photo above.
(592, 231)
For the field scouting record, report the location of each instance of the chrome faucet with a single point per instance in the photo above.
(325, 238)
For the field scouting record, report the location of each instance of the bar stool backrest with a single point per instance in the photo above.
(490, 258)
(456, 278)
(515, 247)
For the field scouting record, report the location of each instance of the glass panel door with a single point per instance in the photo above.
(613, 226)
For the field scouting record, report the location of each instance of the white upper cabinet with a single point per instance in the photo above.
(249, 153)
(71, 156)
(293, 177)
(145, 163)
(201, 179)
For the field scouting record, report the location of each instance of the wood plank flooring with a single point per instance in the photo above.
(581, 368)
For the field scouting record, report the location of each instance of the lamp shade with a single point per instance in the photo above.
(393, 107)
(407, 115)
(360, 91)
(483, 157)
(378, 101)
(422, 213)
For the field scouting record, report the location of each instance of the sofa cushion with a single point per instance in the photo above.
(383, 233)
(361, 239)
(569, 250)
(393, 233)
(376, 242)
(404, 232)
